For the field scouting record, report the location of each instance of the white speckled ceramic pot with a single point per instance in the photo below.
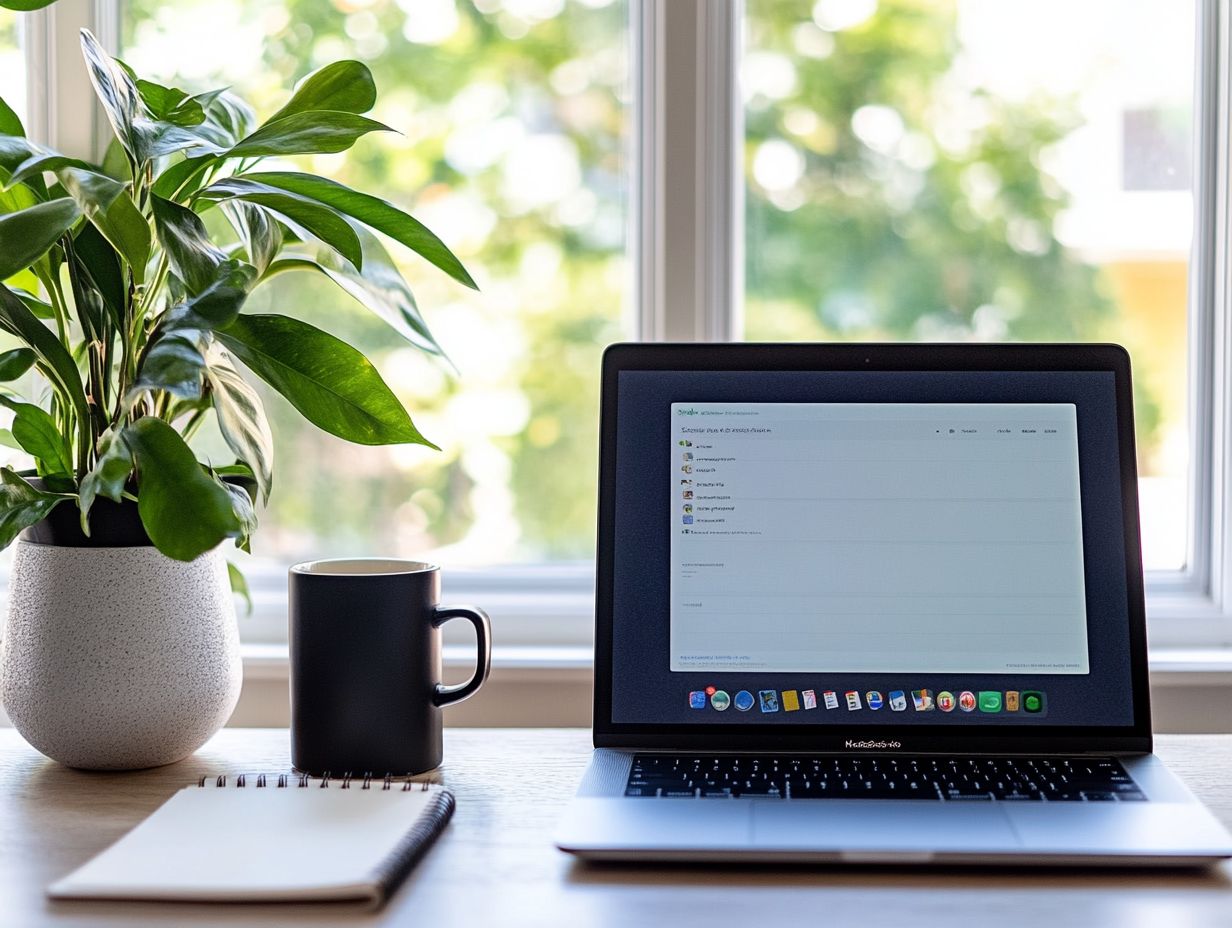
(118, 658)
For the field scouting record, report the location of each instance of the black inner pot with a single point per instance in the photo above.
(112, 525)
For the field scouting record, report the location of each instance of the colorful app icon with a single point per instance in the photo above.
(688, 455)
(966, 701)
(898, 700)
(720, 700)
(697, 699)
(769, 700)
(685, 443)
(831, 699)
(710, 690)
(923, 700)
(990, 700)
(688, 494)
(810, 699)
(873, 698)
(1011, 700)
(688, 507)
(1032, 701)
(688, 468)
(791, 701)
(945, 701)
(687, 520)
(744, 701)
(853, 700)
(686, 482)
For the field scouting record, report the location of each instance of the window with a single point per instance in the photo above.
(12, 63)
(990, 171)
(836, 169)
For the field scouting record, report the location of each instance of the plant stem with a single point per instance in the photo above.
(58, 307)
(194, 423)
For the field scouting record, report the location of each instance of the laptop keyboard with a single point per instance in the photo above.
(1057, 779)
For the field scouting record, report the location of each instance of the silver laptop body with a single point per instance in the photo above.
(830, 567)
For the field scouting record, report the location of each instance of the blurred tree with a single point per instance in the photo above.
(887, 201)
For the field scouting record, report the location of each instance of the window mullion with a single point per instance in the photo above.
(64, 113)
(1210, 354)
(720, 191)
(688, 199)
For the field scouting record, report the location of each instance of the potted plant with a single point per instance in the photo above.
(124, 285)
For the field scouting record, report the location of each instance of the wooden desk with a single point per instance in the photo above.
(495, 864)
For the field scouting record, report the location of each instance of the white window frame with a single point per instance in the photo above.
(686, 243)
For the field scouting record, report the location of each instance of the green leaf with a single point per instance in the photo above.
(174, 363)
(258, 230)
(108, 477)
(10, 123)
(344, 86)
(379, 287)
(218, 304)
(239, 586)
(322, 222)
(26, 235)
(183, 177)
(88, 303)
(184, 510)
(242, 506)
(109, 207)
(35, 165)
(25, 6)
(334, 386)
(54, 360)
(14, 149)
(227, 119)
(241, 417)
(98, 258)
(317, 132)
(156, 138)
(15, 363)
(36, 306)
(22, 505)
(373, 212)
(194, 258)
(171, 104)
(39, 437)
(19, 197)
(116, 91)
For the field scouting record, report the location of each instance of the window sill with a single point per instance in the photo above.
(550, 685)
(270, 662)
(1169, 666)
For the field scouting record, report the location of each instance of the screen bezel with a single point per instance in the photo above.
(987, 738)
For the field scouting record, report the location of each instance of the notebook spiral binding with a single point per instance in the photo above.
(389, 782)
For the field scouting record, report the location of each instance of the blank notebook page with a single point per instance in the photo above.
(246, 844)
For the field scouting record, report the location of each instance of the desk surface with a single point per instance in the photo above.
(495, 864)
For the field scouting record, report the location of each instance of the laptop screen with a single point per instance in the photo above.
(869, 548)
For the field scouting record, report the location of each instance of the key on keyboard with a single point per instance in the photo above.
(954, 779)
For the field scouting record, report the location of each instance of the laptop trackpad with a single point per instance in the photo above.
(871, 826)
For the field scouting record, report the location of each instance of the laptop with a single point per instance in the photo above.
(874, 604)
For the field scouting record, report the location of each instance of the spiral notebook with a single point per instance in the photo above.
(281, 838)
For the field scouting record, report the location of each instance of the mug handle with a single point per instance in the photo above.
(448, 695)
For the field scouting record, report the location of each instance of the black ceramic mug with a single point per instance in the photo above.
(366, 665)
